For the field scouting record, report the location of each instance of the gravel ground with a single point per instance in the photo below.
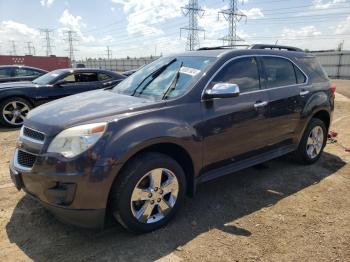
(280, 211)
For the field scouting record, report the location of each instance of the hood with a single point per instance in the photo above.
(12, 85)
(94, 105)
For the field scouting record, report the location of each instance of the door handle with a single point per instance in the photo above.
(304, 92)
(260, 104)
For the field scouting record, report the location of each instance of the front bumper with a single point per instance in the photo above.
(74, 198)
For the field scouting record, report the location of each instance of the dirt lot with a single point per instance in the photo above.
(280, 212)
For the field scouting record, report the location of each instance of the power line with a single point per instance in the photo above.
(233, 15)
(192, 11)
(71, 38)
(48, 40)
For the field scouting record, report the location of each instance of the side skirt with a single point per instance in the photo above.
(249, 162)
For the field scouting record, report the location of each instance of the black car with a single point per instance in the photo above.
(15, 73)
(135, 150)
(16, 99)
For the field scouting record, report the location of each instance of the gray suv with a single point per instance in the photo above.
(135, 150)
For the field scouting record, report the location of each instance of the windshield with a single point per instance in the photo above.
(47, 78)
(167, 77)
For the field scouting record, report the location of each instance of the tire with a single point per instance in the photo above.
(302, 155)
(11, 106)
(137, 176)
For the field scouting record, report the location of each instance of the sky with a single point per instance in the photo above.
(138, 28)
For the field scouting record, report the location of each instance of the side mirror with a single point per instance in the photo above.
(222, 90)
(60, 82)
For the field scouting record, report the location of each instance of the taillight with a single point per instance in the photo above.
(333, 87)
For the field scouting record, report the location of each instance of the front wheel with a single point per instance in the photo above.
(312, 143)
(148, 193)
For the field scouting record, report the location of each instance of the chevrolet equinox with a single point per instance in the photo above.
(136, 149)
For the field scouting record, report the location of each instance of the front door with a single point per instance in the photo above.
(234, 127)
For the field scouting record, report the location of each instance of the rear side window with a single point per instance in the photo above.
(5, 72)
(26, 72)
(243, 72)
(314, 68)
(279, 72)
(301, 78)
(104, 76)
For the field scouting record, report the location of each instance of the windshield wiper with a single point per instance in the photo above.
(173, 83)
(154, 74)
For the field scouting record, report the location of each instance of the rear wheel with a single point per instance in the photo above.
(13, 111)
(312, 143)
(148, 193)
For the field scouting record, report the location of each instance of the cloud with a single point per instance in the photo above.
(320, 4)
(18, 32)
(46, 3)
(343, 27)
(145, 17)
(112, 9)
(306, 31)
(253, 13)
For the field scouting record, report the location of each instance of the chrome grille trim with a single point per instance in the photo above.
(17, 165)
(24, 134)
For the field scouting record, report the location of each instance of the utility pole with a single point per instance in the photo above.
(71, 38)
(13, 50)
(233, 15)
(109, 57)
(192, 11)
(30, 48)
(47, 39)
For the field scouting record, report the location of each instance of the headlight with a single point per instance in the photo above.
(75, 140)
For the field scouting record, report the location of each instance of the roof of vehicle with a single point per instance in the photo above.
(22, 66)
(285, 51)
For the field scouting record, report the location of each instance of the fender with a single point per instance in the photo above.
(8, 93)
(316, 103)
(142, 133)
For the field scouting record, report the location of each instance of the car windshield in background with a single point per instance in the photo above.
(165, 78)
(47, 78)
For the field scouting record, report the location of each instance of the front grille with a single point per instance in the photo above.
(33, 134)
(25, 159)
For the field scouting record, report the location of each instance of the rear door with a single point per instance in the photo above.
(233, 127)
(285, 85)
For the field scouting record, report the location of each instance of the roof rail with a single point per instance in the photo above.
(220, 47)
(279, 47)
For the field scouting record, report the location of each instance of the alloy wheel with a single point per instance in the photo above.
(315, 142)
(15, 112)
(154, 195)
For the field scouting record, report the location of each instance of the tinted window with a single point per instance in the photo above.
(279, 72)
(313, 68)
(243, 72)
(81, 77)
(104, 76)
(301, 78)
(5, 72)
(26, 72)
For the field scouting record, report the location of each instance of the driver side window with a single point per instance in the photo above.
(70, 78)
(243, 72)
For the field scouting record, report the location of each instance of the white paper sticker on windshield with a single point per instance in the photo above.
(189, 71)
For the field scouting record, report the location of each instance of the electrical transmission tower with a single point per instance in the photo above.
(30, 48)
(47, 39)
(109, 57)
(192, 11)
(71, 38)
(13, 50)
(233, 15)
